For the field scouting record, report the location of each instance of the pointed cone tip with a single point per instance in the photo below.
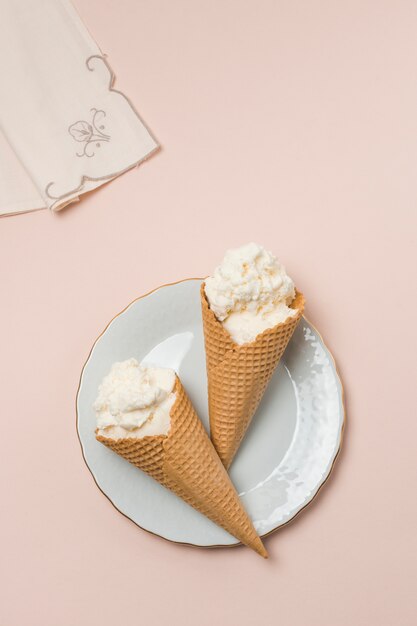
(259, 547)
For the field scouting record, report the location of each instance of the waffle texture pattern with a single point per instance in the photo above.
(186, 462)
(239, 374)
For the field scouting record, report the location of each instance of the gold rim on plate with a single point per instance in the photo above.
(185, 543)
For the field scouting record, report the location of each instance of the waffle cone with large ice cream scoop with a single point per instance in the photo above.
(186, 462)
(239, 374)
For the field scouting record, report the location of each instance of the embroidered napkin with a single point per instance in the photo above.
(65, 129)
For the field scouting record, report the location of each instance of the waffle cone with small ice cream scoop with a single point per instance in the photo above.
(184, 460)
(240, 360)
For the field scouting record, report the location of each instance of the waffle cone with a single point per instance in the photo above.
(239, 374)
(186, 462)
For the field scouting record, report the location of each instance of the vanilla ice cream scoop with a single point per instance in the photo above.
(135, 401)
(249, 292)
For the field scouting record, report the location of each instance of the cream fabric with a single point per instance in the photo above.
(64, 129)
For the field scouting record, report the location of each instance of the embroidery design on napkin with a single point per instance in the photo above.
(89, 62)
(89, 132)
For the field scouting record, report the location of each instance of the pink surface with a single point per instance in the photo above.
(289, 123)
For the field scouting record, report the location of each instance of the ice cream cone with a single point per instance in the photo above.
(239, 374)
(186, 462)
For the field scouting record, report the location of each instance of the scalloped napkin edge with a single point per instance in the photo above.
(72, 131)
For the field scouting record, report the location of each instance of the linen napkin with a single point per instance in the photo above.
(65, 129)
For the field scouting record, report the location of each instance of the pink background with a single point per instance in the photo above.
(293, 124)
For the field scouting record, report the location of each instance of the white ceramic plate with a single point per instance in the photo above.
(287, 453)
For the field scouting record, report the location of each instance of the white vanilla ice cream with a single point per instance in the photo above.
(250, 292)
(135, 401)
